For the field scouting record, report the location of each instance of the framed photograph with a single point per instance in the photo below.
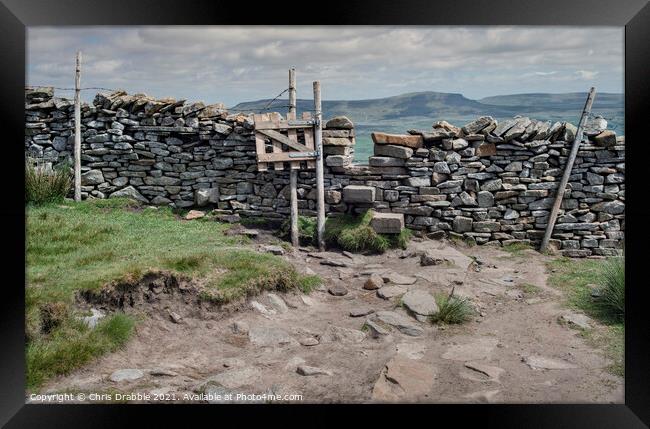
(397, 208)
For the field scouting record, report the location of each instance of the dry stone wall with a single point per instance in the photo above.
(487, 182)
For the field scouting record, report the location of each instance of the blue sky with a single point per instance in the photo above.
(230, 64)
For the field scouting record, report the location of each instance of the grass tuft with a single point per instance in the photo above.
(46, 186)
(309, 283)
(612, 288)
(354, 234)
(452, 310)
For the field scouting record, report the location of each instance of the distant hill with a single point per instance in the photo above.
(424, 107)
(572, 100)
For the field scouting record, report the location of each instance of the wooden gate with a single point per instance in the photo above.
(281, 140)
(295, 142)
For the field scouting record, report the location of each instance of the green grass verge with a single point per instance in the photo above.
(83, 246)
(354, 234)
(573, 277)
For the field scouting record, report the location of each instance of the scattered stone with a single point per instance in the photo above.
(375, 281)
(428, 259)
(234, 378)
(194, 214)
(375, 329)
(270, 336)
(129, 192)
(400, 322)
(403, 380)
(576, 319)
(361, 311)
(262, 309)
(492, 372)
(420, 302)
(345, 335)
(541, 362)
(337, 289)
(399, 279)
(388, 292)
(175, 317)
(126, 375)
(311, 370)
(277, 303)
(276, 250)
(309, 341)
(333, 263)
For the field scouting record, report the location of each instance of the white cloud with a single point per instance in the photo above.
(236, 63)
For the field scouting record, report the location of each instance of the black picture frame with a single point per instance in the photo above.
(16, 15)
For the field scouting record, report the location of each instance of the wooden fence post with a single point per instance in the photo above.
(320, 188)
(293, 172)
(567, 171)
(77, 130)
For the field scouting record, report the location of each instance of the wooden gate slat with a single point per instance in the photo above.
(309, 138)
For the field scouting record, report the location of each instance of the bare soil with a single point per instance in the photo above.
(514, 350)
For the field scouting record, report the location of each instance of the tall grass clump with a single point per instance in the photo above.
(612, 288)
(354, 233)
(452, 309)
(44, 184)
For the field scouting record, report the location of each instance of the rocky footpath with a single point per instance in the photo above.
(487, 182)
(361, 337)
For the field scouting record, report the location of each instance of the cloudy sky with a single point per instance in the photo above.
(231, 64)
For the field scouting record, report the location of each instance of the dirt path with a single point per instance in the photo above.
(514, 351)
